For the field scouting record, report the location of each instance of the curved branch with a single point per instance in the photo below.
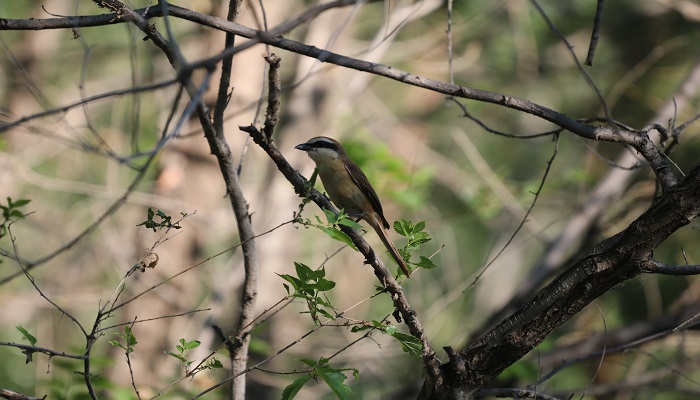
(638, 140)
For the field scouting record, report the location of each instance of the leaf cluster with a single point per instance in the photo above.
(333, 377)
(409, 344)
(165, 221)
(129, 340)
(310, 285)
(416, 238)
(11, 211)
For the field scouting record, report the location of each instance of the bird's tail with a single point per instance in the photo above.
(384, 236)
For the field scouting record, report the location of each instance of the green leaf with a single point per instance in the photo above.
(426, 263)
(323, 285)
(389, 329)
(325, 313)
(116, 343)
(378, 324)
(419, 226)
(178, 356)
(192, 344)
(214, 363)
(18, 203)
(309, 362)
(26, 334)
(303, 271)
(402, 227)
(129, 336)
(409, 344)
(296, 283)
(318, 274)
(16, 214)
(359, 328)
(349, 223)
(334, 379)
(338, 235)
(331, 217)
(290, 391)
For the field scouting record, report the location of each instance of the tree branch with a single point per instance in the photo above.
(636, 139)
(219, 147)
(655, 267)
(610, 263)
(401, 304)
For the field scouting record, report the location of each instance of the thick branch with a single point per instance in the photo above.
(610, 263)
(606, 192)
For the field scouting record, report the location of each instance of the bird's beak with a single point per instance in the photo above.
(303, 147)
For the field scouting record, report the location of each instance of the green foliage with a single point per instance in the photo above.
(409, 343)
(182, 348)
(309, 286)
(32, 341)
(185, 363)
(10, 212)
(333, 377)
(416, 238)
(330, 228)
(165, 221)
(129, 340)
(26, 334)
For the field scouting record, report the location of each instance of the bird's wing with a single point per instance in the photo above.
(362, 182)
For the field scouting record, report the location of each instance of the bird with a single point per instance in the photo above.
(349, 189)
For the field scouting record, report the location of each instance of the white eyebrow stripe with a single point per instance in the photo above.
(325, 140)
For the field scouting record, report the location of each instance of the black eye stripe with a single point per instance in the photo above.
(324, 144)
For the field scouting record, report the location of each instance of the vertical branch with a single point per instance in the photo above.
(237, 387)
(273, 97)
(221, 150)
(449, 42)
(597, 23)
(223, 96)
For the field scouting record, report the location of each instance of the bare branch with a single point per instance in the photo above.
(514, 393)
(655, 267)
(44, 350)
(639, 142)
(10, 395)
(595, 33)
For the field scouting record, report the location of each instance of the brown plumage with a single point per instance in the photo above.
(348, 187)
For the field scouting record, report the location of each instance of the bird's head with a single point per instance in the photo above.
(322, 148)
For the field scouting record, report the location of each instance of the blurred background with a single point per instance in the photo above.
(426, 161)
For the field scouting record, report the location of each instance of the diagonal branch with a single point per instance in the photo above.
(610, 263)
(401, 304)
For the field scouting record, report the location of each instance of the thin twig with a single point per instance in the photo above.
(595, 33)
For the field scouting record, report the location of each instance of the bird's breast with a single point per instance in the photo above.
(342, 190)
